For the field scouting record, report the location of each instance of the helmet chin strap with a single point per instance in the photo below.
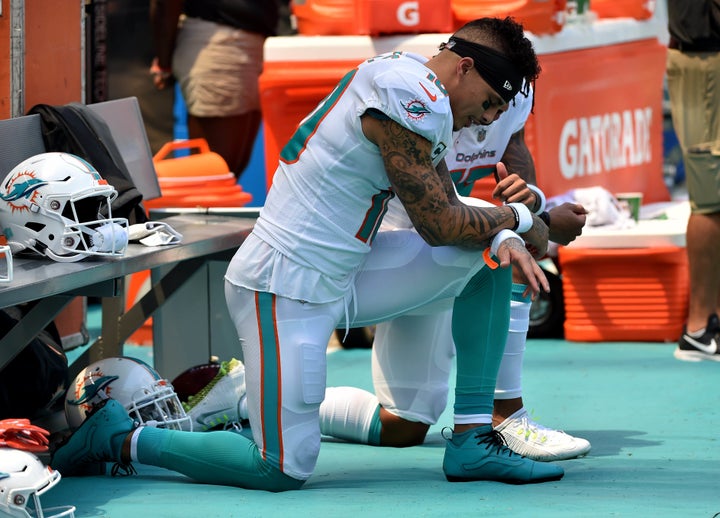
(63, 258)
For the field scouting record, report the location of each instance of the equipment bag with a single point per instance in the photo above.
(37, 376)
(74, 128)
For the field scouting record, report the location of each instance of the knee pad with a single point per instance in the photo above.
(313, 373)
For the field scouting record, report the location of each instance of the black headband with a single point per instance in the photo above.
(494, 67)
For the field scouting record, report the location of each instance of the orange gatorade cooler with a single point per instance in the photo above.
(401, 16)
(628, 294)
(201, 163)
(638, 9)
(371, 17)
(537, 16)
(201, 179)
(325, 17)
(288, 92)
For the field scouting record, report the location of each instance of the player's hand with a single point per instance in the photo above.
(566, 222)
(511, 188)
(161, 77)
(512, 251)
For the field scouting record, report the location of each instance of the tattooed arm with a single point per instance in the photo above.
(430, 199)
(427, 194)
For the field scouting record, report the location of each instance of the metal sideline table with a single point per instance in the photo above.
(52, 285)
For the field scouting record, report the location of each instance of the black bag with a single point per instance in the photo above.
(74, 128)
(37, 376)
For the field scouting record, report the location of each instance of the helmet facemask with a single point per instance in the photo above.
(85, 230)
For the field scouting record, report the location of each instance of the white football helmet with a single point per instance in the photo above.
(23, 478)
(53, 204)
(6, 264)
(148, 398)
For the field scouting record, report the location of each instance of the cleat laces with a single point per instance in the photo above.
(494, 439)
(121, 469)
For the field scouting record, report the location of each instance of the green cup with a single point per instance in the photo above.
(632, 201)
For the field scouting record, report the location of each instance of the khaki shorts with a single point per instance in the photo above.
(694, 88)
(218, 68)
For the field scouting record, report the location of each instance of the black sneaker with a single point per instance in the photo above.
(704, 347)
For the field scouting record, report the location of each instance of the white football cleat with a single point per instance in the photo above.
(534, 441)
(218, 403)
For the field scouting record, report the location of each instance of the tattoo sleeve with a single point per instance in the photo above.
(428, 194)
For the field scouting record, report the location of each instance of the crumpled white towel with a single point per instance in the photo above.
(154, 233)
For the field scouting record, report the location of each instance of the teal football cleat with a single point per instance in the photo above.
(98, 439)
(481, 454)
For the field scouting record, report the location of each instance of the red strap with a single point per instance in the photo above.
(20, 434)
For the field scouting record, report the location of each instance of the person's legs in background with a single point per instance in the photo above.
(230, 137)
(696, 120)
(217, 68)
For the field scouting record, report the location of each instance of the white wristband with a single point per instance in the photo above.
(525, 219)
(540, 196)
(502, 236)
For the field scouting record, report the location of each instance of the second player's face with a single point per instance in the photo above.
(475, 102)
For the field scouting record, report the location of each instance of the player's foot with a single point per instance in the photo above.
(481, 454)
(526, 437)
(696, 347)
(218, 403)
(98, 439)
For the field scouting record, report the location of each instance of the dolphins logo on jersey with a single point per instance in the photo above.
(415, 109)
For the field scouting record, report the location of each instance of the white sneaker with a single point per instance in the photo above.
(218, 403)
(526, 437)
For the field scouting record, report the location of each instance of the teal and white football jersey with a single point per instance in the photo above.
(330, 190)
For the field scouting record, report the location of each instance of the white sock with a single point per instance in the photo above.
(133, 444)
(242, 408)
(509, 379)
(347, 413)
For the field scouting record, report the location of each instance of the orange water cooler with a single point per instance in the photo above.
(287, 94)
(371, 17)
(638, 9)
(537, 16)
(200, 179)
(629, 294)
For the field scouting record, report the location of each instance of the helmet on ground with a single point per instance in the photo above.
(57, 205)
(23, 478)
(148, 398)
